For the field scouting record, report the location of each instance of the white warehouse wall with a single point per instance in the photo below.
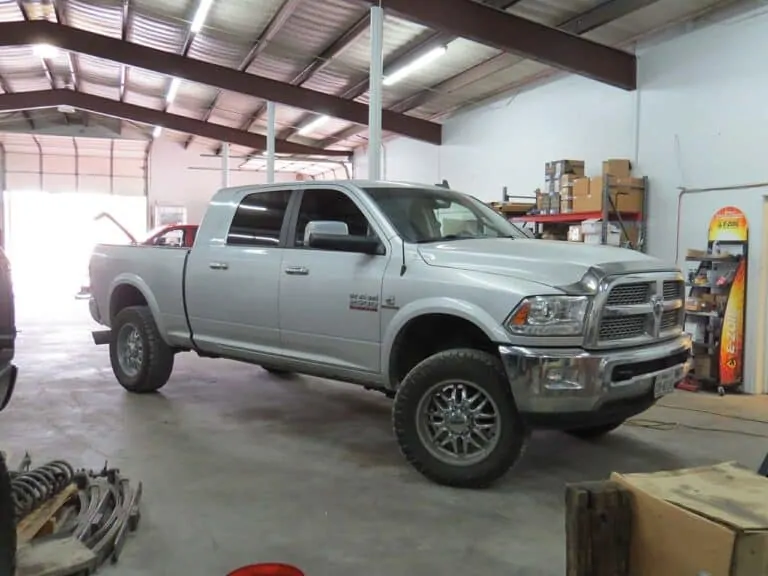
(176, 177)
(698, 119)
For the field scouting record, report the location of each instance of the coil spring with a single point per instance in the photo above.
(31, 488)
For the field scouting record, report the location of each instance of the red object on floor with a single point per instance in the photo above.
(689, 384)
(267, 569)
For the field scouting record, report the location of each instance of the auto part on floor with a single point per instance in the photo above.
(73, 520)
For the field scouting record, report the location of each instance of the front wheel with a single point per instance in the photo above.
(456, 421)
(141, 360)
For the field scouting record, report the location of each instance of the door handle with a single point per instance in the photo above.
(218, 266)
(297, 270)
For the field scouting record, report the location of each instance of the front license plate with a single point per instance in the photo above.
(664, 384)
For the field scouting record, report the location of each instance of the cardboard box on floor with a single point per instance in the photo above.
(711, 520)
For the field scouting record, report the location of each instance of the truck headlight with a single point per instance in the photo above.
(549, 316)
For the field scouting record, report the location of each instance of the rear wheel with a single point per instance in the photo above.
(456, 421)
(594, 432)
(7, 523)
(141, 360)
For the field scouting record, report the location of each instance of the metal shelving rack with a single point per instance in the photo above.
(609, 213)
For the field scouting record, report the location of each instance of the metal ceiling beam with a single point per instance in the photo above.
(531, 40)
(267, 35)
(601, 15)
(98, 105)
(98, 46)
(6, 88)
(318, 63)
(360, 87)
(399, 58)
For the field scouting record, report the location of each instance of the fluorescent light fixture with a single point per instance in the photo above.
(200, 15)
(45, 50)
(157, 131)
(173, 89)
(314, 125)
(414, 65)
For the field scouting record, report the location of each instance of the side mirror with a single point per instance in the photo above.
(341, 243)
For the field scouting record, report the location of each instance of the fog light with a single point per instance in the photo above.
(562, 378)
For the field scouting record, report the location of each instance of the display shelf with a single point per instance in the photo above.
(572, 217)
(715, 314)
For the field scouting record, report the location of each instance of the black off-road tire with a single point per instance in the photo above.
(7, 524)
(157, 357)
(486, 372)
(595, 432)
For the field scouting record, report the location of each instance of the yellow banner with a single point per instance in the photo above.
(732, 335)
(728, 223)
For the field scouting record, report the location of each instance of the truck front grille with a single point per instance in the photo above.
(638, 312)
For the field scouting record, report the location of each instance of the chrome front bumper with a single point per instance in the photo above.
(551, 382)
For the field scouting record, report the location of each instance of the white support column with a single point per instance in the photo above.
(270, 142)
(225, 165)
(374, 93)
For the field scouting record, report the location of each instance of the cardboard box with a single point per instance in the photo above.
(617, 167)
(566, 203)
(709, 520)
(592, 232)
(575, 234)
(627, 194)
(581, 187)
(557, 168)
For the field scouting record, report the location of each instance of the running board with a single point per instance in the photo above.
(101, 336)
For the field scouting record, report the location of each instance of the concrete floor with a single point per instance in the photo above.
(239, 466)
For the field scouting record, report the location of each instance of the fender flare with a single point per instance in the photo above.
(472, 313)
(136, 282)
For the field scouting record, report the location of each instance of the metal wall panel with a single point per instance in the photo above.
(62, 164)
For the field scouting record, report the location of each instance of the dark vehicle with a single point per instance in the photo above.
(7, 383)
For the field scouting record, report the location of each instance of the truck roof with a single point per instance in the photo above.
(227, 194)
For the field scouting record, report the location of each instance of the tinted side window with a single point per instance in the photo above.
(259, 218)
(320, 204)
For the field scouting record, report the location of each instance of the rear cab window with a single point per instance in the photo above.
(259, 219)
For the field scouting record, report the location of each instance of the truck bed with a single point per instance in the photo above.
(155, 270)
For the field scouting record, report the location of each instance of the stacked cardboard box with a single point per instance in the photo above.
(559, 176)
(626, 192)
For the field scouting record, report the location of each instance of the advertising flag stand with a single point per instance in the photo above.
(715, 310)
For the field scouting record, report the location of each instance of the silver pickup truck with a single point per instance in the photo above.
(479, 333)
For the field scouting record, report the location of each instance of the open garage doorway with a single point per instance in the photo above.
(49, 240)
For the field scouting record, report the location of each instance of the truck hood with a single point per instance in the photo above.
(548, 262)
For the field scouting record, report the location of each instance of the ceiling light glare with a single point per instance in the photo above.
(45, 50)
(200, 16)
(314, 125)
(414, 65)
(173, 89)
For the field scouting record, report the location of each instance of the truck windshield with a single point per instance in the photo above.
(422, 215)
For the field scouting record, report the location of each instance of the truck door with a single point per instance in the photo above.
(330, 301)
(232, 280)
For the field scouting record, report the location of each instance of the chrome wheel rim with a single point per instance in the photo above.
(458, 422)
(130, 350)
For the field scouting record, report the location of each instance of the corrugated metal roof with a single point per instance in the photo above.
(233, 26)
